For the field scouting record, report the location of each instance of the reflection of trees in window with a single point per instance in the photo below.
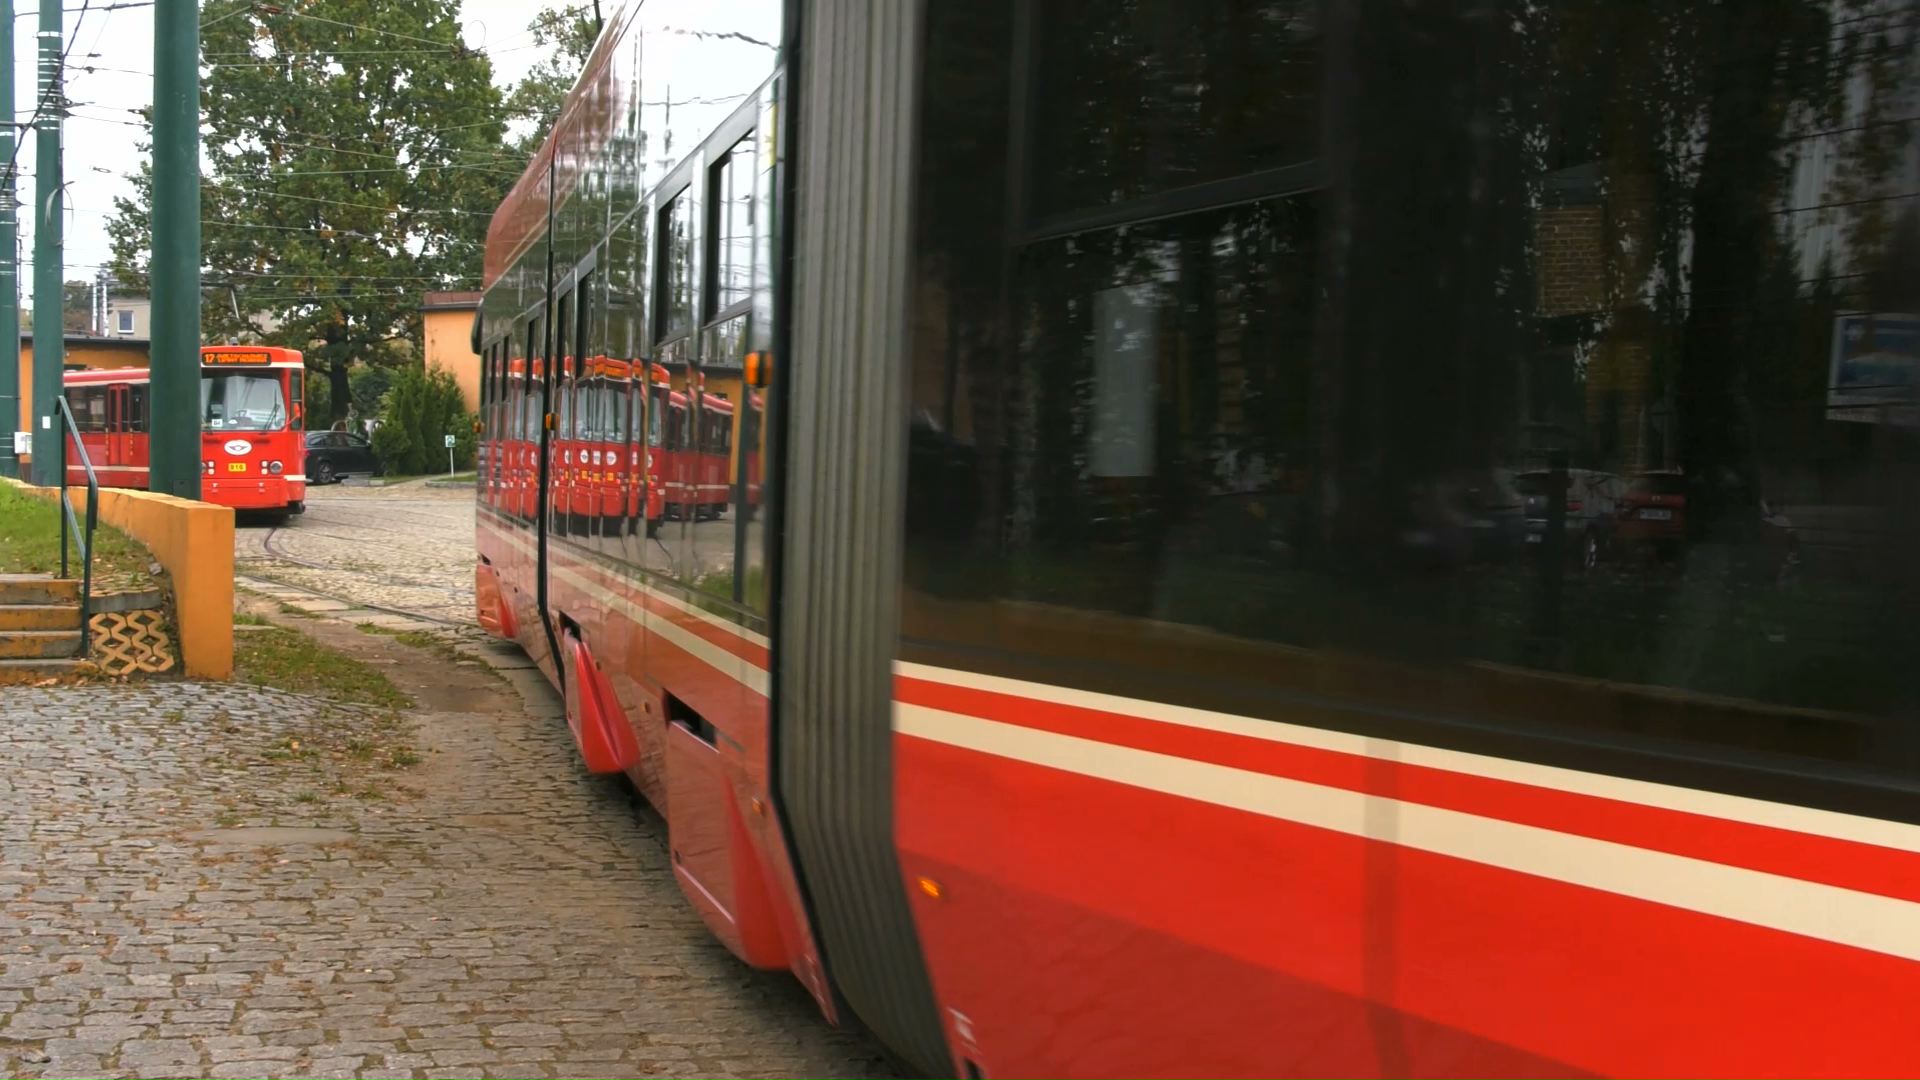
(1140, 96)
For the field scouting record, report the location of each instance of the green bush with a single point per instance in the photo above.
(396, 448)
(419, 411)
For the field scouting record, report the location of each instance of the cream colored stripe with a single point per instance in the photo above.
(1810, 909)
(753, 678)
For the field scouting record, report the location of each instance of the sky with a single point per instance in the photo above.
(102, 150)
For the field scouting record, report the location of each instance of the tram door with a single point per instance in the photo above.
(120, 426)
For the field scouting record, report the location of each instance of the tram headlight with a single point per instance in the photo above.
(274, 468)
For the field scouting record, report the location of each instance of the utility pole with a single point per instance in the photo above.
(174, 432)
(9, 256)
(49, 245)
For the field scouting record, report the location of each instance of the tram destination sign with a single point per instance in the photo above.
(235, 357)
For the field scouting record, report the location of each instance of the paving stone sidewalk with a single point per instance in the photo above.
(216, 880)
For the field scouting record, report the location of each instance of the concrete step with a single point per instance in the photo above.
(15, 671)
(39, 617)
(39, 644)
(38, 589)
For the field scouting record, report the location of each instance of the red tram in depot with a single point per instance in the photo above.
(1072, 519)
(252, 444)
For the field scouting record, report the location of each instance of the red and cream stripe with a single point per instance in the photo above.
(720, 643)
(1836, 877)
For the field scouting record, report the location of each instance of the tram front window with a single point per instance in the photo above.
(230, 401)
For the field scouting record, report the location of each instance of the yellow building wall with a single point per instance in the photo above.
(84, 354)
(449, 346)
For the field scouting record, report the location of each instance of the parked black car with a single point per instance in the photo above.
(334, 454)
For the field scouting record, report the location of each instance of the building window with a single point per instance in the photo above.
(125, 320)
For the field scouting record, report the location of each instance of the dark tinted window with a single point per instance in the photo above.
(89, 405)
(626, 258)
(730, 251)
(137, 407)
(1661, 484)
(673, 279)
(1570, 385)
(1134, 99)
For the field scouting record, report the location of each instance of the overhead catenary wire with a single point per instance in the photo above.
(55, 87)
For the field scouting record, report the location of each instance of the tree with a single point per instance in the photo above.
(418, 412)
(76, 306)
(570, 33)
(353, 156)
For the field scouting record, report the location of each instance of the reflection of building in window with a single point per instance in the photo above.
(1125, 322)
(1593, 372)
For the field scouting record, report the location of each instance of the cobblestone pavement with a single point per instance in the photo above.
(409, 546)
(222, 880)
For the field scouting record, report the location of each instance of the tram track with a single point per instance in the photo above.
(261, 584)
(275, 553)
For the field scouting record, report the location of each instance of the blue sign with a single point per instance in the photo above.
(1875, 371)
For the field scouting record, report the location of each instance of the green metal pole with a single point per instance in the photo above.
(49, 245)
(9, 256)
(175, 427)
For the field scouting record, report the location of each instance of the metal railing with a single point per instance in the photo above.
(70, 523)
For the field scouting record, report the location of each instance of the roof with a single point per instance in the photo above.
(111, 342)
(450, 301)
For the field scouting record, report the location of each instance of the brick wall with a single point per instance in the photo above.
(1570, 267)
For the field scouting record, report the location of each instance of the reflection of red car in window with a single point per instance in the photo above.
(1653, 511)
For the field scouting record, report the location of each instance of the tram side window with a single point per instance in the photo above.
(1210, 93)
(490, 392)
(89, 405)
(137, 407)
(624, 251)
(501, 391)
(567, 473)
(673, 291)
(1603, 471)
(514, 419)
(590, 333)
(531, 396)
(730, 226)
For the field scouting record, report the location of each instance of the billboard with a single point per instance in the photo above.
(1875, 370)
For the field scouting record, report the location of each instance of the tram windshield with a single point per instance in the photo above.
(235, 401)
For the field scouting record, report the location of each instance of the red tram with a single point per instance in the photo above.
(253, 444)
(1098, 651)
